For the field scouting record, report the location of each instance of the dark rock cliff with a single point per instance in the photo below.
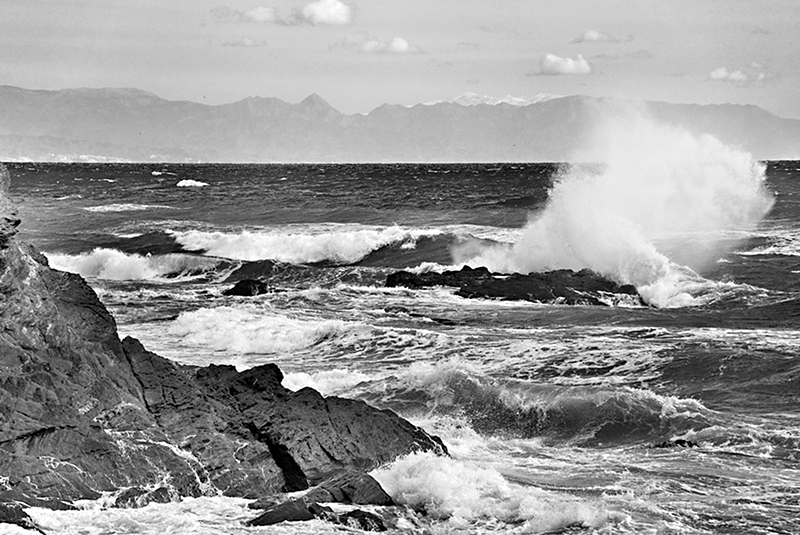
(83, 412)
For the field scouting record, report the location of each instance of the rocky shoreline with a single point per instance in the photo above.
(83, 413)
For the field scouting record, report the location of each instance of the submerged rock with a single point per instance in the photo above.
(139, 497)
(676, 443)
(562, 286)
(362, 520)
(248, 287)
(82, 412)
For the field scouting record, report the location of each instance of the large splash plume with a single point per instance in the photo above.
(660, 206)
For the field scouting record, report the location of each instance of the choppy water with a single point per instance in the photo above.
(549, 411)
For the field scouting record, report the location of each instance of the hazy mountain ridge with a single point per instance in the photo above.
(130, 124)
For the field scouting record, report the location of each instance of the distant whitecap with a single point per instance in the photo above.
(188, 183)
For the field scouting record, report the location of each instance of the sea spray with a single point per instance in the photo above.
(652, 213)
(465, 493)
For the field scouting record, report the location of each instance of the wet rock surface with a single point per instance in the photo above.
(561, 286)
(349, 488)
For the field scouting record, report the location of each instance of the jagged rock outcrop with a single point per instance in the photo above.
(562, 286)
(348, 488)
(83, 412)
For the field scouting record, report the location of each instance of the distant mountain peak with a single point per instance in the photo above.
(314, 101)
(316, 106)
(474, 99)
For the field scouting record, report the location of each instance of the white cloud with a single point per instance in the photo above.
(753, 75)
(724, 75)
(594, 36)
(326, 12)
(333, 12)
(363, 42)
(245, 43)
(553, 65)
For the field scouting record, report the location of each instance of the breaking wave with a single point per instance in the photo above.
(338, 245)
(111, 264)
(464, 493)
(584, 415)
(651, 215)
(251, 329)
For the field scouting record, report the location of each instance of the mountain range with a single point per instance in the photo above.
(118, 124)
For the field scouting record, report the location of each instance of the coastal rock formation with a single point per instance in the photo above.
(562, 286)
(83, 412)
(348, 488)
(299, 510)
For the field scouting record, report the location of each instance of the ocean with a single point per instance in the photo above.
(553, 414)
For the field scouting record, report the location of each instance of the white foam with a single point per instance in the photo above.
(782, 241)
(126, 207)
(465, 493)
(189, 183)
(191, 516)
(327, 383)
(111, 264)
(659, 184)
(336, 243)
(251, 329)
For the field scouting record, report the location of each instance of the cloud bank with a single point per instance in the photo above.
(363, 42)
(331, 12)
(552, 65)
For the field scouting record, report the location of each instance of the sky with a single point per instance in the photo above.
(360, 54)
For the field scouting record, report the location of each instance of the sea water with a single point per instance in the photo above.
(550, 412)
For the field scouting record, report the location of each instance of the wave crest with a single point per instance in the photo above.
(111, 264)
(340, 245)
